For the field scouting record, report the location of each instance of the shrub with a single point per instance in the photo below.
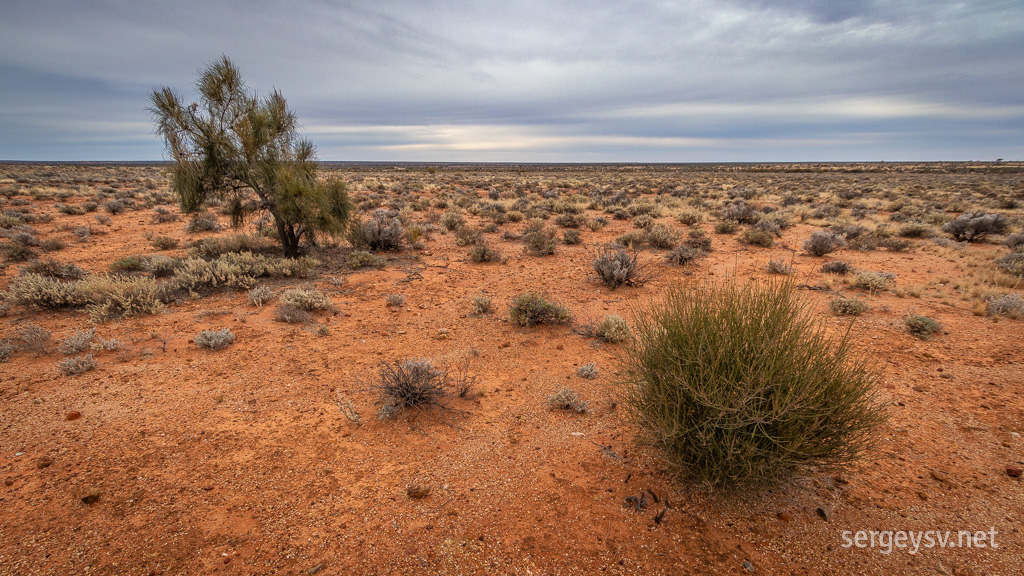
(213, 248)
(164, 242)
(726, 226)
(662, 237)
(395, 300)
(202, 222)
(572, 237)
(482, 252)
(684, 254)
(363, 259)
(1015, 241)
(617, 266)
(465, 236)
(214, 339)
(110, 297)
(114, 206)
(778, 267)
(758, 237)
(643, 221)
(34, 338)
(539, 239)
(738, 386)
(45, 292)
(873, 281)
(77, 342)
(1011, 305)
(162, 214)
(127, 264)
(836, 267)
(1012, 263)
(77, 365)
(383, 231)
(416, 384)
(823, 242)
(690, 217)
(452, 220)
(308, 299)
(613, 328)
(54, 269)
(160, 266)
(632, 238)
(260, 295)
(567, 399)
(922, 327)
(847, 307)
(529, 309)
(588, 371)
(292, 314)
(481, 305)
(6, 351)
(973, 226)
(916, 230)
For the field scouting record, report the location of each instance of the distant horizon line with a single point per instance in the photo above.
(999, 161)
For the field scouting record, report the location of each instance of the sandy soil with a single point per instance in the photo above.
(239, 461)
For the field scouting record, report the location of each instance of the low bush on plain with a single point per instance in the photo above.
(567, 399)
(618, 266)
(308, 299)
(922, 327)
(77, 365)
(847, 307)
(416, 384)
(77, 342)
(823, 242)
(1011, 305)
(531, 308)
(214, 339)
(974, 226)
(737, 386)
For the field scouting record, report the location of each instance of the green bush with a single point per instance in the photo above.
(922, 327)
(739, 385)
(364, 259)
(530, 308)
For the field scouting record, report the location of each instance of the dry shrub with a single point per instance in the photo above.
(308, 299)
(567, 399)
(530, 308)
(77, 365)
(617, 266)
(214, 339)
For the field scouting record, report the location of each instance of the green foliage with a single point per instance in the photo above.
(531, 308)
(245, 150)
(737, 386)
(539, 239)
(363, 259)
(922, 327)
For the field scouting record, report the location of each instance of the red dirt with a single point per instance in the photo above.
(239, 461)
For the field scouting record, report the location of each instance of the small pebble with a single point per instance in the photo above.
(1014, 471)
(73, 415)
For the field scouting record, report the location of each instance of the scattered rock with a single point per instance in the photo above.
(8, 481)
(922, 494)
(940, 476)
(785, 516)
(417, 492)
(1014, 471)
(942, 569)
(822, 513)
(91, 496)
(315, 569)
(73, 415)
(44, 462)
(748, 566)
(840, 480)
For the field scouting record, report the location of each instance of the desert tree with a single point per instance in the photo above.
(245, 150)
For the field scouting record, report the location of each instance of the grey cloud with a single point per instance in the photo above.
(587, 78)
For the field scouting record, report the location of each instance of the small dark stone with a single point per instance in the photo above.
(823, 513)
(91, 496)
(1014, 471)
(785, 516)
(417, 492)
(73, 415)
(748, 566)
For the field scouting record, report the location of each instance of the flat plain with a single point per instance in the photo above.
(126, 448)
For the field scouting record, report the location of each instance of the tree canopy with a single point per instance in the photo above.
(245, 150)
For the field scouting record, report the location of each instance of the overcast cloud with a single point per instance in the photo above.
(526, 80)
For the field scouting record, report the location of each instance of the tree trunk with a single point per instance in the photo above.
(289, 240)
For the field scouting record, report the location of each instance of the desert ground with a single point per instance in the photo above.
(134, 450)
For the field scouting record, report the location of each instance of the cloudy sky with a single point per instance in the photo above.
(532, 80)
